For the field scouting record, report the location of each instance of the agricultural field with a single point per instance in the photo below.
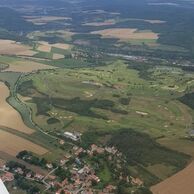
(12, 144)
(118, 20)
(46, 47)
(113, 97)
(103, 23)
(9, 47)
(65, 35)
(41, 20)
(177, 184)
(9, 116)
(125, 34)
(22, 64)
(118, 75)
(26, 66)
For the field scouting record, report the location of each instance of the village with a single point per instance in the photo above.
(77, 172)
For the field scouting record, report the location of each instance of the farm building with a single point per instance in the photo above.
(74, 137)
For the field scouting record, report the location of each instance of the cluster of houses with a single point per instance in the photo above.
(8, 176)
(82, 176)
(101, 150)
(81, 181)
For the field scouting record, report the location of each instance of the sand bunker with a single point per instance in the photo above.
(9, 117)
(142, 113)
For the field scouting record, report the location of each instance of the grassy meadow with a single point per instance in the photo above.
(129, 98)
(120, 79)
(112, 97)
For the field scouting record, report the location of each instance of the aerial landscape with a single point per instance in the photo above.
(97, 96)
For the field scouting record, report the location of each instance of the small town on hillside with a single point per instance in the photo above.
(77, 172)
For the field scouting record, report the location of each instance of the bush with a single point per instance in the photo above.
(52, 121)
(141, 148)
(125, 101)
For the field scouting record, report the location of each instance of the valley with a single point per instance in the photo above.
(96, 97)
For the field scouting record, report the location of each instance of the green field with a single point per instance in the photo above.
(39, 138)
(133, 94)
(115, 83)
(106, 99)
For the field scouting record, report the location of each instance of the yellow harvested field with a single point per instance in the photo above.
(40, 20)
(61, 46)
(127, 34)
(58, 56)
(149, 21)
(46, 47)
(9, 47)
(9, 116)
(27, 53)
(26, 66)
(105, 23)
(180, 183)
(12, 144)
(59, 33)
(112, 22)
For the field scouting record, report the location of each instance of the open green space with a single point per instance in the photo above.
(143, 104)
(108, 97)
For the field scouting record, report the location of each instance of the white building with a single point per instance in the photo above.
(3, 189)
(72, 136)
